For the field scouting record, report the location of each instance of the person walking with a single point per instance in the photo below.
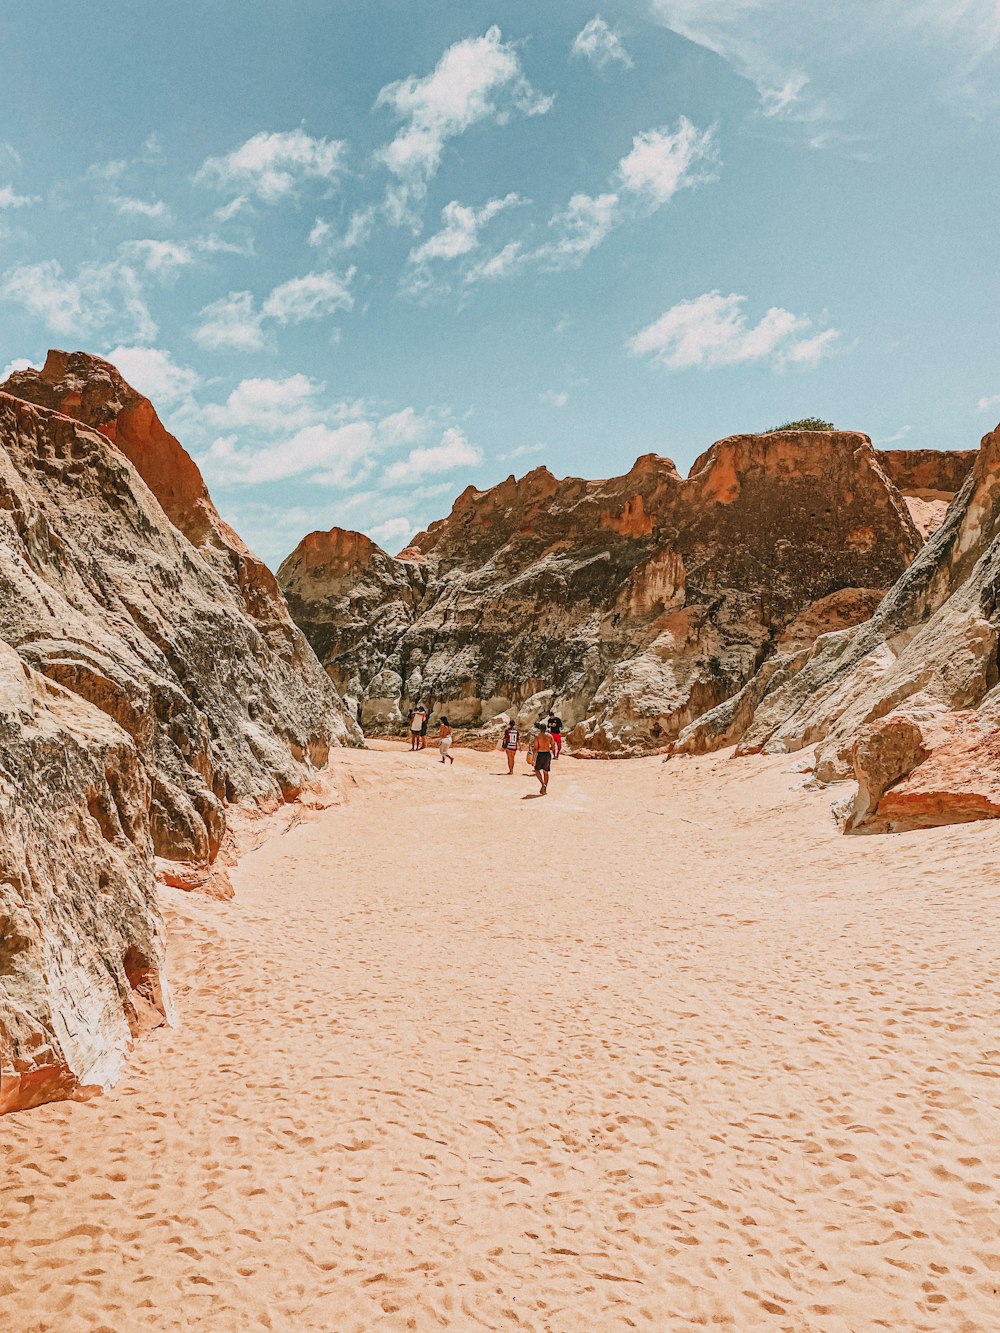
(416, 717)
(510, 743)
(541, 748)
(444, 741)
(555, 731)
(424, 719)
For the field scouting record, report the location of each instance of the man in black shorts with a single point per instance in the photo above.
(541, 748)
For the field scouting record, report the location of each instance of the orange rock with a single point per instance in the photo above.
(634, 603)
(885, 752)
(150, 677)
(958, 783)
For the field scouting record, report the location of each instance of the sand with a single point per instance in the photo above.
(660, 1051)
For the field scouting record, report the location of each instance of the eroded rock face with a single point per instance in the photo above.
(165, 680)
(958, 782)
(928, 655)
(633, 604)
(935, 473)
(928, 480)
(884, 753)
(81, 941)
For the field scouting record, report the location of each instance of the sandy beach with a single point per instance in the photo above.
(660, 1051)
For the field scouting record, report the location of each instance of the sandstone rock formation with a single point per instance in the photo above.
(926, 661)
(157, 678)
(635, 604)
(80, 938)
(928, 480)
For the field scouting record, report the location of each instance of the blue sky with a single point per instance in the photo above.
(364, 253)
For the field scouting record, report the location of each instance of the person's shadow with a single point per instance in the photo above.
(531, 796)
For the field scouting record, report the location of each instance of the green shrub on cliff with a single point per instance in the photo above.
(807, 423)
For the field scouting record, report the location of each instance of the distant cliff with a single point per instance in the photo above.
(633, 605)
(908, 703)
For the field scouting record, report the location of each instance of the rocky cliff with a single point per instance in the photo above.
(81, 944)
(152, 676)
(908, 702)
(633, 604)
(928, 480)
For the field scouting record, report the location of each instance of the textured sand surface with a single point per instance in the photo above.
(659, 1051)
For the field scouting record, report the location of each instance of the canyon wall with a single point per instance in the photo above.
(908, 702)
(632, 605)
(152, 676)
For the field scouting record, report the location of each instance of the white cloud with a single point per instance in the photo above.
(809, 351)
(600, 44)
(895, 438)
(405, 427)
(460, 233)
(459, 237)
(504, 264)
(99, 297)
(162, 258)
(10, 199)
(713, 330)
(554, 398)
(522, 451)
(272, 166)
(987, 404)
(215, 245)
(234, 322)
(392, 532)
(330, 455)
(454, 451)
(580, 228)
(662, 161)
(477, 79)
(810, 61)
(359, 227)
(267, 405)
(45, 291)
(226, 212)
(659, 163)
(275, 429)
(230, 323)
(320, 233)
(156, 210)
(154, 372)
(310, 297)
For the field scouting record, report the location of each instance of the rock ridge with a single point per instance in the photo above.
(151, 677)
(635, 603)
(906, 703)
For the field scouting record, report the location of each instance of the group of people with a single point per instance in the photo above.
(544, 743)
(417, 719)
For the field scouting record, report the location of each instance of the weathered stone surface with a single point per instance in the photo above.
(166, 680)
(929, 653)
(188, 647)
(931, 473)
(884, 752)
(632, 604)
(928, 480)
(81, 943)
(959, 781)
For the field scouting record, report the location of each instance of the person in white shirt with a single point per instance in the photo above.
(417, 719)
